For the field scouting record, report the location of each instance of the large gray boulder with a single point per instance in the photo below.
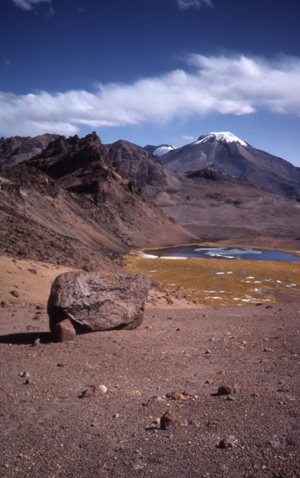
(94, 301)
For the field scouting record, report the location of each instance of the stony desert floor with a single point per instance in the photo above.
(57, 421)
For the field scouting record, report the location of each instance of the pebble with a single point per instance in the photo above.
(24, 374)
(171, 419)
(15, 293)
(37, 342)
(224, 390)
(228, 442)
(102, 388)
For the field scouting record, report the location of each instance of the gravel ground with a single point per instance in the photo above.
(56, 421)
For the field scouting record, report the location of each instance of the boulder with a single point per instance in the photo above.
(95, 301)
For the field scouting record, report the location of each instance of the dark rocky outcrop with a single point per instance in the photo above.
(96, 301)
(17, 148)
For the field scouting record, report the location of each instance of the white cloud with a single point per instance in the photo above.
(211, 85)
(186, 4)
(189, 138)
(28, 4)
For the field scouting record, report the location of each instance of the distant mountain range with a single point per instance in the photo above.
(102, 196)
(210, 204)
(226, 153)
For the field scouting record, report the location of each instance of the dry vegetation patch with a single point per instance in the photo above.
(222, 282)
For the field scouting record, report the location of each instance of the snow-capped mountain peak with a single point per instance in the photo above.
(225, 137)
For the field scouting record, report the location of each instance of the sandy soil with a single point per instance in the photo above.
(56, 422)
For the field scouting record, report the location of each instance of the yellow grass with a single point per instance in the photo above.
(220, 282)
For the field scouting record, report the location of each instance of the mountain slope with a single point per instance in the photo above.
(83, 167)
(211, 204)
(226, 153)
(143, 167)
(16, 149)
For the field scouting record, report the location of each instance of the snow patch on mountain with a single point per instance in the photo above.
(226, 137)
(163, 149)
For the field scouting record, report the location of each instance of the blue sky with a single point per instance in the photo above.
(153, 71)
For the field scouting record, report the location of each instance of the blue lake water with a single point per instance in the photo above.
(236, 253)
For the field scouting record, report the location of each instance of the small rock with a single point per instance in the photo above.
(156, 421)
(93, 391)
(116, 415)
(151, 400)
(228, 442)
(102, 388)
(37, 342)
(63, 331)
(15, 293)
(176, 396)
(24, 374)
(224, 390)
(171, 419)
(33, 271)
(208, 351)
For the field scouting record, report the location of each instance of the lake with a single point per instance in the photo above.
(222, 252)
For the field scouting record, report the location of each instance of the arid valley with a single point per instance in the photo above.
(226, 374)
